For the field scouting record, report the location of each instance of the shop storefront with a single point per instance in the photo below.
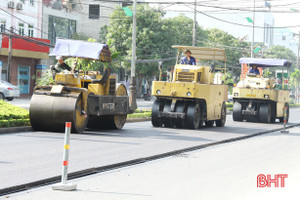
(26, 62)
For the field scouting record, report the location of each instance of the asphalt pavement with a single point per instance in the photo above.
(227, 171)
(31, 156)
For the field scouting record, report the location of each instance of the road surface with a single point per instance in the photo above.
(32, 156)
(227, 171)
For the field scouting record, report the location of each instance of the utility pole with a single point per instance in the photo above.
(132, 88)
(298, 50)
(9, 62)
(253, 21)
(194, 23)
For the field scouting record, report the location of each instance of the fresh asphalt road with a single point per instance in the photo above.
(227, 171)
(32, 156)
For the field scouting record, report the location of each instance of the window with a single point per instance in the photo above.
(60, 27)
(30, 30)
(283, 37)
(21, 29)
(31, 2)
(94, 11)
(23, 1)
(2, 26)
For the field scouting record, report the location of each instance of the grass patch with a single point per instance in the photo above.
(11, 116)
(140, 114)
(229, 106)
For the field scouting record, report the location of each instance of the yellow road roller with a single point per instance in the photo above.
(195, 94)
(259, 99)
(87, 99)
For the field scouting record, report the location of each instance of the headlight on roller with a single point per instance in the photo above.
(236, 94)
(266, 96)
(158, 92)
(188, 94)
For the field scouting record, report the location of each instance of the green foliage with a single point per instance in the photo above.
(235, 48)
(280, 52)
(46, 79)
(11, 115)
(80, 36)
(295, 78)
(140, 114)
(267, 73)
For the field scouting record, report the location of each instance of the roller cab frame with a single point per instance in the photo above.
(259, 99)
(195, 95)
(87, 99)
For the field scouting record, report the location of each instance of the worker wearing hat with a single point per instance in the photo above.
(61, 65)
(188, 60)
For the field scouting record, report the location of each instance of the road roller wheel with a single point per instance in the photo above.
(237, 112)
(193, 116)
(180, 108)
(118, 121)
(156, 108)
(209, 123)
(221, 122)
(281, 119)
(49, 113)
(265, 113)
(168, 122)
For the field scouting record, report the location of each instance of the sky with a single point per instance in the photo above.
(235, 11)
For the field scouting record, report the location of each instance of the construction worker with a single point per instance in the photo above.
(188, 60)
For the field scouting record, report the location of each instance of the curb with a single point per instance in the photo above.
(28, 128)
(138, 119)
(15, 129)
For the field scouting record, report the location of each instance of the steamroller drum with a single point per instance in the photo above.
(237, 112)
(49, 113)
(221, 122)
(168, 122)
(156, 107)
(119, 120)
(180, 108)
(265, 113)
(193, 116)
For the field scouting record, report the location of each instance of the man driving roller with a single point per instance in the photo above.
(61, 65)
(254, 70)
(188, 60)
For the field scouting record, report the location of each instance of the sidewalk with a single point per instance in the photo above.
(227, 171)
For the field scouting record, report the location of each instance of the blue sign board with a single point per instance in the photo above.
(41, 67)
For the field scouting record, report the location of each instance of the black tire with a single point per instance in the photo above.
(209, 123)
(193, 116)
(156, 108)
(265, 113)
(10, 98)
(180, 108)
(221, 122)
(237, 112)
(1, 96)
(168, 122)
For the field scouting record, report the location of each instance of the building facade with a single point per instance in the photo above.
(285, 37)
(64, 18)
(24, 18)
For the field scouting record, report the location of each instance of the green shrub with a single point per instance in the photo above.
(11, 116)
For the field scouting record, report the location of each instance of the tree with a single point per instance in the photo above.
(235, 48)
(280, 52)
(295, 80)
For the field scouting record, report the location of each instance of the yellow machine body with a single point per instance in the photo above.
(262, 89)
(191, 95)
(87, 99)
(259, 99)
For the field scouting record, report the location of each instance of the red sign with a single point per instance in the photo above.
(267, 180)
(21, 44)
